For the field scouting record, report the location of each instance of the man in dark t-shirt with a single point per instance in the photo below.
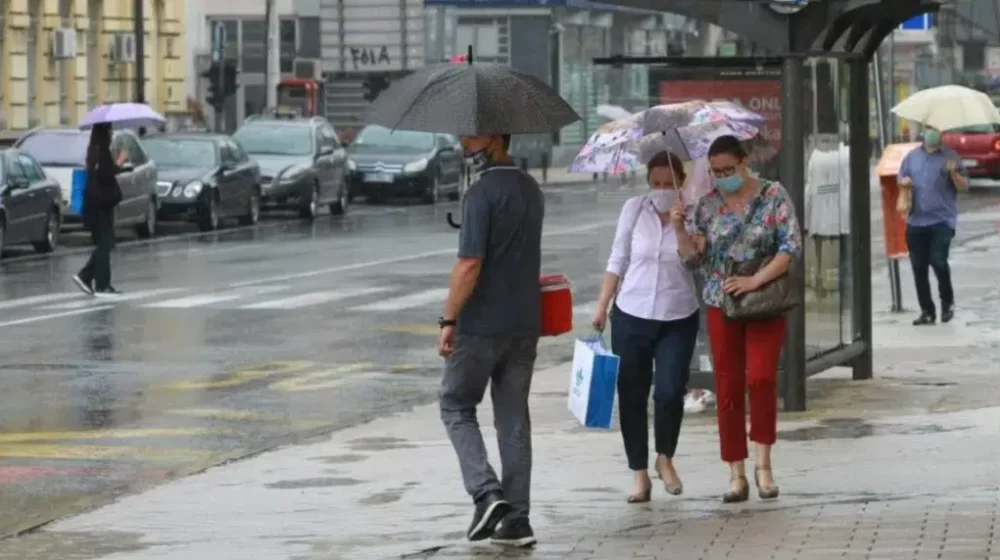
(489, 333)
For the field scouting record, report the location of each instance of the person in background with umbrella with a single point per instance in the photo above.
(101, 197)
(654, 321)
(934, 173)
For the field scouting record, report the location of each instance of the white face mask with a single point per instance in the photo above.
(662, 199)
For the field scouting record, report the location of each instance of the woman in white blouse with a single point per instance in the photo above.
(654, 322)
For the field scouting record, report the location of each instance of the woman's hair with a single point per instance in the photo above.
(727, 144)
(667, 159)
(100, 142)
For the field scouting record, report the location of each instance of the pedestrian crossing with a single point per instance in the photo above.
(277, 297)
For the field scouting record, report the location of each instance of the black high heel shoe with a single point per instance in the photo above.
(765, 493)
(736, 496)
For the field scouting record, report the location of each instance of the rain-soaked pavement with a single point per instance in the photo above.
(236, 342)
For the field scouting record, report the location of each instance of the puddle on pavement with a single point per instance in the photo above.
(341, 459)
(379, 444)
(598, 490)
(384, 497)
(855, 428)
(313, 483)
(70, 545)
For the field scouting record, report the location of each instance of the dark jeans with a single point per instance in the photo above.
(929, 247)
(641, 343)
(98, 267)
(506, 366)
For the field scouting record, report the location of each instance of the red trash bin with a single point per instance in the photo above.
(557, 305)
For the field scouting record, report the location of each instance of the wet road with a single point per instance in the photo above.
(231, 343)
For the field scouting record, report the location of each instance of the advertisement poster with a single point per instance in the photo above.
(756, 88)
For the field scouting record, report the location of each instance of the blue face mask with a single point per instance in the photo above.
(729, 184)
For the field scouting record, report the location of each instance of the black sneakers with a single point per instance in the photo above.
(490, 510)
(947, 312)
(515, 533)
(925, 318)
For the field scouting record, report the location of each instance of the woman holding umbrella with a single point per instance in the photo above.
(102, 192)
(101, 196)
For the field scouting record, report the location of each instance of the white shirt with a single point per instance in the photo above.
(827, 192)
(656, 284)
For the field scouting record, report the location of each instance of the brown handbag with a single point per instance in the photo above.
(774, 299)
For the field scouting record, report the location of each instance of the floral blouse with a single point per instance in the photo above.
(774, 228)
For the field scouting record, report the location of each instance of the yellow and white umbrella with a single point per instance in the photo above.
(948, 107)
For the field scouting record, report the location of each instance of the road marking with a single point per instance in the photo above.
(211, 299)
(426, 297)
(127, 296)
(35, 300)
(37, 318)
(23, 437)
(327, 378)
(241, 376)
(227, 414)
(394, 260)
(100, 453)
(314, 298)
(418, 329)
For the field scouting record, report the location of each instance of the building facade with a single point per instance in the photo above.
(62, 57)
(246, 38)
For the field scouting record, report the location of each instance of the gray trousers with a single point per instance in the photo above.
(509, 364)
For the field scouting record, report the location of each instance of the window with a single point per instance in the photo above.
(238, 153)
(288, 46)
(170, 152)
(136, 155)
(14, 172)
(30, 168)
(328, 137)
(57, 149)
(93, 51)
(228, 154)
(254, 38)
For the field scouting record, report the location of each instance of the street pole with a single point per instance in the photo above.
(273, 69)
(139, 28)
(896, 287)
(220, 108)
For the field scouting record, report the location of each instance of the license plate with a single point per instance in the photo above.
(970, 162)
(378, 178)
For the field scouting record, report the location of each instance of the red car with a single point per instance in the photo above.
(979, 147)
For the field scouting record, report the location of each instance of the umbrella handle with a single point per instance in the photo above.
(451, 222)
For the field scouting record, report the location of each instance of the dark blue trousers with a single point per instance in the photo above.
(929, 248)
(652, 354)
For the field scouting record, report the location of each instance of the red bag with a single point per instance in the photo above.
(557, 305)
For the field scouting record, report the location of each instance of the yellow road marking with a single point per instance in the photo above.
(242, 376)
(105, 434)
(226, 414)
(418, 329)
(325, 379)
(100, 453)
(403, 368)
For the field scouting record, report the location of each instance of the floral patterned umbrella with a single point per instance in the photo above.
(686, 129)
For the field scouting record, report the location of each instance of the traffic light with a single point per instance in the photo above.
(229, 80)
(374, 85)
(220, 84)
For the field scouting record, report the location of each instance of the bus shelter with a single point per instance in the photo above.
(812, 85)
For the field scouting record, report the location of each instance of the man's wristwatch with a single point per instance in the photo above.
(442, 322)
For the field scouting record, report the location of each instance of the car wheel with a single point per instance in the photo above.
(253, 210)
(339, 208)
(209, 219)
(147, 228)
(433, 194)
(51, 237)
(310, 206)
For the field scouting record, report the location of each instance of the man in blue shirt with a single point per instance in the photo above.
(935, 174)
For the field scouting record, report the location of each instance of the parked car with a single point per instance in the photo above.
(303, 164)
(385, 163)
(979, 147)
(204, 178)
(61, 150)
(31, 203)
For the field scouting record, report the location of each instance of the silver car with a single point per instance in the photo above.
(61, 150)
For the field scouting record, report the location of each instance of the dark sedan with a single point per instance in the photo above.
(302, 163)
(385, 163)
(204, 178)
(30, 203)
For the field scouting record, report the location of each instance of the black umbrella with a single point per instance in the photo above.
(471, 100)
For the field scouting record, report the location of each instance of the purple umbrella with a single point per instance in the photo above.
(122, 115)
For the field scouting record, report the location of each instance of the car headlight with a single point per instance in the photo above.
(178, 191)
(351, 165)
(193, 189)
(416, 166)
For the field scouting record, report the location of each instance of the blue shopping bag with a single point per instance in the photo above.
(593, 383)
(78, 189)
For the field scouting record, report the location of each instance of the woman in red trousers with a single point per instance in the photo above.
(745, 353)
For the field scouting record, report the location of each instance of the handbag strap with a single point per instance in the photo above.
(750, 211)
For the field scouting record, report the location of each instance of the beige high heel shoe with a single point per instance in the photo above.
(765, 493)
